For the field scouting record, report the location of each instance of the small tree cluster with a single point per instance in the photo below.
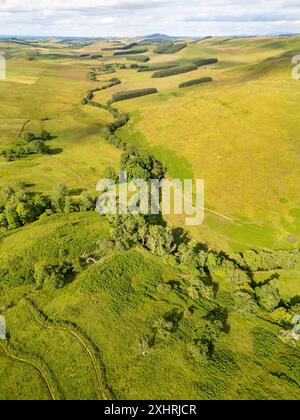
(19, 207)
(261, 260)
(29, 145)
(139, 164)
(268, 296)
(129, 230)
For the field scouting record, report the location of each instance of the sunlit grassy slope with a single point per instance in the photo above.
(241, 135)
(116, 305)
(47, 96)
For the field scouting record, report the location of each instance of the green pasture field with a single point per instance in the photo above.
(238, 134)
(116, 304)
(52, 101)
(124, 323)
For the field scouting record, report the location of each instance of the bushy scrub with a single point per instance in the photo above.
(268, 296)
(261, 260)
(19, 207)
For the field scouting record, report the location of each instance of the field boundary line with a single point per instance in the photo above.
(8, 352)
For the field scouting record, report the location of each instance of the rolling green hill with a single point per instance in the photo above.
(138, 308)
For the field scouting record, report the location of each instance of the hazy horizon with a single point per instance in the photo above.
(39, 36)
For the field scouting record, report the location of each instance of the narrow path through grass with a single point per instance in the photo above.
(12, 354)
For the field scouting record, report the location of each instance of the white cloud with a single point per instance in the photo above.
(137, 17)
(108, 20)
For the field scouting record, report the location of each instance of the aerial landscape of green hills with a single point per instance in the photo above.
(145, 307)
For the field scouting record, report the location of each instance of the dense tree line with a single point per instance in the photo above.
(205, 62)
(122, 96)
(139, 58)
(170, 48)
(60, 56)
(157, 67)
(195, 82)
(125, 47)
(174, 70)
(137, 51)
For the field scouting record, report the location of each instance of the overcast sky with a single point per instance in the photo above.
(142, 17)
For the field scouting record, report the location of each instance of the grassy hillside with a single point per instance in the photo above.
(101, 308)
(238, 134)
(47, 96)
(142, 319)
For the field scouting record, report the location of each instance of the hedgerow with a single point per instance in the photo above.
(90, 93)
(175, 70)
(195, 82)
(122, 96)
